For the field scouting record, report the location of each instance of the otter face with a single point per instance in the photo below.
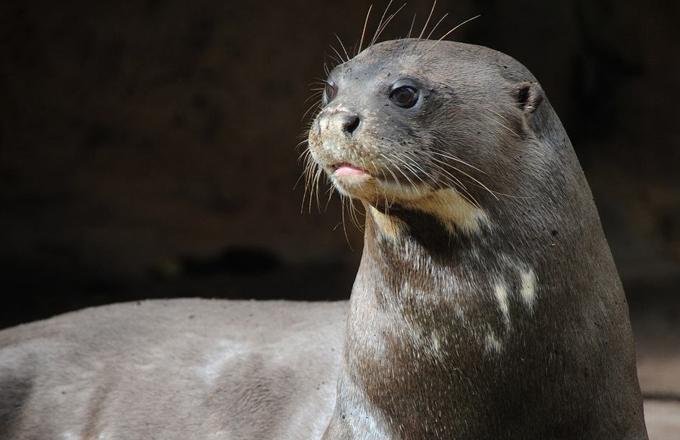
(373, 124)
(408, 122)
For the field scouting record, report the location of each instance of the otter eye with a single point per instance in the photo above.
(404, 96)
(329, 91)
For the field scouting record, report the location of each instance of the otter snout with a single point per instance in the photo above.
(339, 122)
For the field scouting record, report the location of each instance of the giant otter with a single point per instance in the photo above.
(486, 306)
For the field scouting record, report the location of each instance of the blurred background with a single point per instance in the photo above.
(147, 149)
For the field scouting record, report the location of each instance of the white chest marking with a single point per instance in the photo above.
(500, 291)
(528, 288)
(493, 344)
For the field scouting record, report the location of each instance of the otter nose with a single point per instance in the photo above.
(344, 121)
(350, 122)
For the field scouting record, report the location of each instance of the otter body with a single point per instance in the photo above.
(487, 304)
(173, 370)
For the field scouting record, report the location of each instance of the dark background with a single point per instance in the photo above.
(147, 149)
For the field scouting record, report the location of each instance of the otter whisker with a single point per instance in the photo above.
(382, 17)
(312, 172)
(319, 173)
(410, 29)
(495, 192)
(308, 125)
(305, 153)
(316, 91)
(394, 176)
(413, 172)
(337, 59)
(363, 31)
(470, 177)
(384, 26)
(303, 174)
(457, 159)
(458, 184)
(497, 114)
(415, 164)
(384, 177)
(314, 96)
(389, 170)
(307, 173)
(353, 212)
(330, 191)
(344, 49)
(436, 25)
(342, 213)
(510, 130)
(463, 191)
(309, 161)
(453, 30)
(437, 165)
(403, 174)
(314, 105)
(422, 32)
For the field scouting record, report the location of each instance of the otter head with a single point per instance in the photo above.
(420, 125)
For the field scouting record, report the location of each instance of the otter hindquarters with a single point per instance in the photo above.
(487, 304)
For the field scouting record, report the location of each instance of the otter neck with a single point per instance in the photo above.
(412, 306)
(409, 255)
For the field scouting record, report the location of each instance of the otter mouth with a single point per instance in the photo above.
(352, 180)
(346, 169)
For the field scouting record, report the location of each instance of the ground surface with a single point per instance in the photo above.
(655, 315)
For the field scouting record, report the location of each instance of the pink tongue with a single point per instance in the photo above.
(347, 170)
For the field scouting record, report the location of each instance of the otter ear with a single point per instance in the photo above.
(528, 95)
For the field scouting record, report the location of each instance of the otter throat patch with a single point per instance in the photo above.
(452, 210)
